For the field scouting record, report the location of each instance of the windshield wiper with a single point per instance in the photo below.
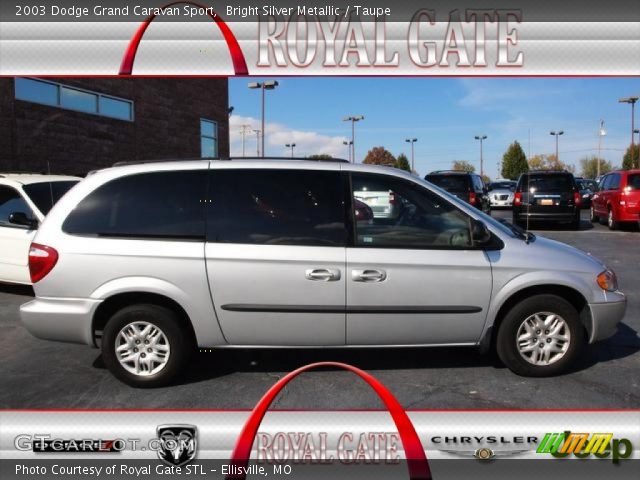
(519, 232)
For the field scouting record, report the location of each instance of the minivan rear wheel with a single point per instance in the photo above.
(593, 217)
(144, 345)
(540, 336)
(611, 221)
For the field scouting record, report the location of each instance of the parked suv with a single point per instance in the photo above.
(618, 198)
(551, 196)
(25, 198)
(464, 185)
(151, 261)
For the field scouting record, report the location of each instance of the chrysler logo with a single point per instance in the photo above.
(177, 444)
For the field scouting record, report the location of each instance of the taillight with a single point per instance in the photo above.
(392, 198)
(42, 259)
(577, 199)
(472, 197)
(517, 198)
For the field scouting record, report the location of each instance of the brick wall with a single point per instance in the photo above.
(166, 125)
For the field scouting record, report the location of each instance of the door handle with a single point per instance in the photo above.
(368, 275)
(322, 274)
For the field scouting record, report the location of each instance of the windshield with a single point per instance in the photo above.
(546, 183)
(451, 183)
(46, 194)
(501, 185)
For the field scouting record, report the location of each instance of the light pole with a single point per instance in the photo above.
(243, 131)
(557, 134)
(601, 133)
(353, 119)
(481, 138)
(257, 132)
(348, 145)
(411, 141)
(291, 146)
(632, 101)
(266, 85)
(638, 132)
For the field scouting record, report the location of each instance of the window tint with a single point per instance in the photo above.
(604, 183)
(633, 181)
(11, 202)
(477, 182)
(406, 215)
(276, 207)
(450, 183)
(153, 205)
(46, 194)
(615, 181)
(547, 183)
(502, 185)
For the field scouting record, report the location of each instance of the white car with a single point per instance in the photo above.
(25, 199)
(501, 193)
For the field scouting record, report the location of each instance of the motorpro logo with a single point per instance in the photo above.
(583, 445)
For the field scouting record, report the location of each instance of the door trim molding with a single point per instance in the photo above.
(381, 309)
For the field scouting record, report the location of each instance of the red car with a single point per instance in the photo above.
(617, 199)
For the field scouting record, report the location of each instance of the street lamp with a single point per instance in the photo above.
(291, 146)
(348, 145)
(481, 138)
(632, 101)
(601, 133)
(266, 85)
(243, 131)
(411, 141)
(353, 119)
(257, 132)
(557, 134)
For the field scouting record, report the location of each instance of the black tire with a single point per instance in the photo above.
(612, 223)
(179, 339)
(506, 342)
(592, 216)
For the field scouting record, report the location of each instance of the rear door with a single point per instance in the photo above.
(275, 255)
(14, 239)
(415, 279)
(632, 193)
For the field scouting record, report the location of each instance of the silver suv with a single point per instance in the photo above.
(150, 261)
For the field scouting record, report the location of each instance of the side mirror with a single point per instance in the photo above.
(20, 218)
(480, 234)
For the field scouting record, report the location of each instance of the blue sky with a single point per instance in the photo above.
(443, 113)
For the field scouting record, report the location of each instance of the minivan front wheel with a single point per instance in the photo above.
(540, 336)
(144, 346)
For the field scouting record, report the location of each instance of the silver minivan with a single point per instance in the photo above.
(150, 261)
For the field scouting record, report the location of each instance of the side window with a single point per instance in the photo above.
(11, 202)
(394, 213)
(479, 185)
(276, 207)
(615, 182)
(604, 183)
(148, 205)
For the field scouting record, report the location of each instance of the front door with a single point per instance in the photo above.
(414, 277)
(275, 255)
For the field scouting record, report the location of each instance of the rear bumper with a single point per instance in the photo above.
(566, 216)
(605, 318)
(60, 319)
(625, 216)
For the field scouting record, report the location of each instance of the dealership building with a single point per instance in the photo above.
(74, 125)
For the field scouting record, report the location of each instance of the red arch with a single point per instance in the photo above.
(416, 458)
(237, 57)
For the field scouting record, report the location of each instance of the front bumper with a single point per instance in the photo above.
(60, 319)
(605, 318)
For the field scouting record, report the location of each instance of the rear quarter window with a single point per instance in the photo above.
(148, 205)
(633, 181)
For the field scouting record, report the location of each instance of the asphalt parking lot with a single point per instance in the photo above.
(41, 374)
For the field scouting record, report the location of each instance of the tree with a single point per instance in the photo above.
(548, 162)
(486, 179)
(627, 162)
(514, 162)
(402, 162)
(589, 166)
(320, 156)
(462, 166)
(380, 156)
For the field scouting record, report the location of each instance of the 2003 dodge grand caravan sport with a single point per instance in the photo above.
(150, 260)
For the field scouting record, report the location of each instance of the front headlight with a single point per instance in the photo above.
(607, 280)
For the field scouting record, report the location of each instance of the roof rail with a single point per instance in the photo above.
(546, 170)
(448, 171)
(17, 172)
(142, 162)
